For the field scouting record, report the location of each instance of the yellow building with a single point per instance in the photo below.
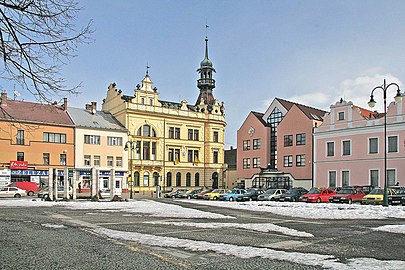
(172, 144)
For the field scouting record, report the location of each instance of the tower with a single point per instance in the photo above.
(206, 83)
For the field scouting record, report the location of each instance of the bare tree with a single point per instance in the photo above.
(38, 37)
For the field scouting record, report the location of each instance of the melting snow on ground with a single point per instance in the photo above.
(392, 228)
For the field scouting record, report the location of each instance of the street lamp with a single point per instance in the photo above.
(130, 145)
(372, 103)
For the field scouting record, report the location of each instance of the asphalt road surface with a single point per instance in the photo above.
(61, 238)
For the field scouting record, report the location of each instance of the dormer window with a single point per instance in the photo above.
(341, 116)
(143, 101)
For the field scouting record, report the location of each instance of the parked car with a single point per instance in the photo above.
(61, 192)
(348, 195)
(367, 188)
(214, 195)
(271, 194)
(292, 195)
(188, 194)
(201, 194)
(231, 195)
(174, 193)
(29, 187)
(250, 195)
(376, 196)
(317, 195)
(397, 198)
(12, 192)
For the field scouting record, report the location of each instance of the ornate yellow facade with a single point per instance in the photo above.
(174, 145)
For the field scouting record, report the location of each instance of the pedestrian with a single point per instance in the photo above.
(80, 187)
(397, 184)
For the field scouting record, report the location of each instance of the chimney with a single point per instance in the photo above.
(93, 107)
(65, 104)
(3, 99)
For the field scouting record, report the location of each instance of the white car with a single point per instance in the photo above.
(12, 192)
(61, 192)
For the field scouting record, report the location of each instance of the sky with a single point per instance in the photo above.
(311, 52)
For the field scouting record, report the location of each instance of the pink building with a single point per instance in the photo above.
(349, 146)
(261, 150)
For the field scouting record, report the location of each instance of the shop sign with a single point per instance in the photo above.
(18, 165)
(29, 172)
(107, 173)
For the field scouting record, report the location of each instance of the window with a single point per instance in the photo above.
(114, 141)
(192, 156)
(136, 179)
(91, 139)
(146, 179)
(118, 161)
(150, 101)
(178, 179)
(190, 135)
(171, 154)
(177, 133)
(54, 137)
(330, 149)
(87, 161)
(110, 161)
(246, 145)
(196, 135)
(45, 158)
(197, 179)
(215, 157)
(275, 117)
(301, 139)
(300, 160)
(20, 137)
(138, 150)
(246, 163)
(188, 179)
(96, 160)
(146, 150)
(256, 144)
(391, 179)
(177, 155)
(288, 161)
(341, 116)
(392, 144)
(169, 179)
(256, 162)
(332, 179)
(346, 148)
(63, 159)
(193, 135)
(155, 179)
(345, 178)
(153, 151)
(374, 181)
(373, 145)
(143, 101)
(146, 131)
(216, 136)
(288, 140)
(171, 132)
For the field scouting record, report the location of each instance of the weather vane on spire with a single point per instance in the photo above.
(206, 29)
(147, 68)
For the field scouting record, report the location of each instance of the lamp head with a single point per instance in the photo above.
(126, 147)
(372, 102)
(398, 96)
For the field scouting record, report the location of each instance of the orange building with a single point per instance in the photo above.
(33, 138)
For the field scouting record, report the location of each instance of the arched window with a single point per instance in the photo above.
(146, 179)
(197, 179)
(146, 131)
(188, 179)
(155, 179)
(169, 179)
(136, 179)
(178, 179)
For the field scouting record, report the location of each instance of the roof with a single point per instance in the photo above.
(367, 114)
(310, 112)
(259, 116)
(99, 120)
(23, 111)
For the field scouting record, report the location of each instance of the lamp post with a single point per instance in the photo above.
(372, 103)
(130, 145)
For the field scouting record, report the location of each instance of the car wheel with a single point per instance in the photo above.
(318, 200)
(350, 201)
(189, 197)
(173, 197)
(231, 199)
(30, 193)
(46, 197)
(215, 198)
(250, 199)
(272, 199)
(17, 195)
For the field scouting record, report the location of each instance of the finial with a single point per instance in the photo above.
(206, 40)
(206, 30)
(147, 68)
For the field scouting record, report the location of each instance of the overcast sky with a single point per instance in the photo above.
(311, 52)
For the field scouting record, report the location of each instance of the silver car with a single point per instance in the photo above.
(271, 194)
(12, 192)
(61, 192)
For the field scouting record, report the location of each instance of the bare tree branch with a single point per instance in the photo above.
(38, 37)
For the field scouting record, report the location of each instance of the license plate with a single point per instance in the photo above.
(336, 200)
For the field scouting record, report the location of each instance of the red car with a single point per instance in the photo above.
(318, 195)
(348, 195)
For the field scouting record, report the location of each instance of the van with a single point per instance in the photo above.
(29, 187)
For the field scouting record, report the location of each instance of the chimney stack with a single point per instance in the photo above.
(65, 104)
(3, 99)
(92, 108)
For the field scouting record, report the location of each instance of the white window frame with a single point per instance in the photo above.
(397, 146)
(368, 145)
(378, 176)
(334, 148)
(350, 148)
(336, 178)
(341, 177)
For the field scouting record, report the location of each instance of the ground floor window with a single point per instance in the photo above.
(178, 179)
(374, 181)
(391, 177)
(332, 179)
(169, 179)
(146, 179)
(197, 179)
(188, 179)
(345, 178)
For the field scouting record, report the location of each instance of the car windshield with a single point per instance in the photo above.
(291, 191)
(315, 191)
(270, 191)
(401, 191)
(377, 191)
(215, 191)
(232, 191)
(345, 191)
(251, 191)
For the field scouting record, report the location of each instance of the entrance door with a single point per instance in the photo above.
(215, 180)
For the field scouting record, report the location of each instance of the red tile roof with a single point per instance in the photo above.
(22, 111)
